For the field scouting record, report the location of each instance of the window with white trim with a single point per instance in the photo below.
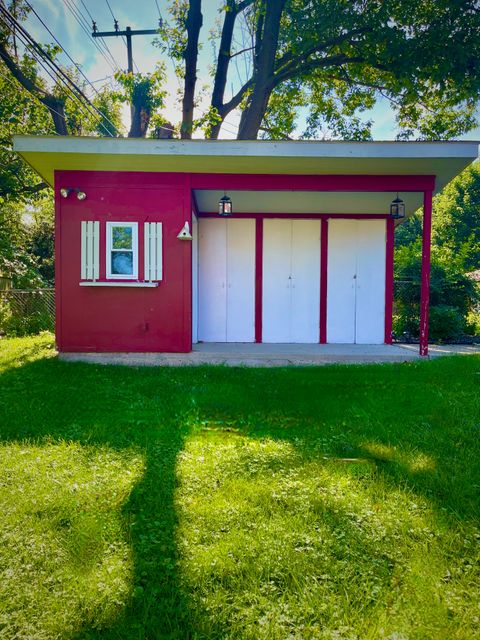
(122, 250)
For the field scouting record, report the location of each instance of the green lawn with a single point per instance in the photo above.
(337, 503)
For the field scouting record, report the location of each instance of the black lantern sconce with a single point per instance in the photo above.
(81, 195)
(225, 206)
(397, 209)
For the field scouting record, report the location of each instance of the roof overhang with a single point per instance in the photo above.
(444, 160)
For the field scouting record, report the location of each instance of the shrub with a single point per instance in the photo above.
(446, 323)
(452, 295)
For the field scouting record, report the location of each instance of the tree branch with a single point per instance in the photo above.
(27, 189)
(53, 104)
(317, 63)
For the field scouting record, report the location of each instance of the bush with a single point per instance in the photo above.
(452, 296)
(17, 325)
(29, 317)
(446, 323)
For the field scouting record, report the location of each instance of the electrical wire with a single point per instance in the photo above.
(116, 22)
(76, 65)
(158, 9)
(78, 16)
(88, 27)
(28, 96)
(53, 77)
(42, 57)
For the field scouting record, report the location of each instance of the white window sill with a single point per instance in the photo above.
(145, 285)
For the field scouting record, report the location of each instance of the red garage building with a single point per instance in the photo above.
(145, 263)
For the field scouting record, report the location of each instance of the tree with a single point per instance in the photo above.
(144, 92)
(70, 109)
(452, 294)
(15, 260)
(456, 223)
(335, 58)
(23, 109)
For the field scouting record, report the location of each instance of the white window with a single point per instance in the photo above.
(122, 250)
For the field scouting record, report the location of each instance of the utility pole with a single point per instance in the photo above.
(128, 33)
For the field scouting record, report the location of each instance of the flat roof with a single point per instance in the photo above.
(442, 159)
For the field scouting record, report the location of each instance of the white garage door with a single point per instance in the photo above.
(291, 281)
(226, 280)
(356, 281)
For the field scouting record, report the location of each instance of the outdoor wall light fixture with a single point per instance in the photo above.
(81, 195)
(225, 206)
(397, 209)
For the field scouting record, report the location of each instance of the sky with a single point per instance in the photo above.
(65, 18)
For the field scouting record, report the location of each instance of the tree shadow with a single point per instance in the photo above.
(396, 421)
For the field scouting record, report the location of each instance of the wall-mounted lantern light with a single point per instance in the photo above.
(225, 206)
(397, 209)
(81, 195)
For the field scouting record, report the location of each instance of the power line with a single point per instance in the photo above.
(85, 26)
(88, 27)
(28, 41)
(77, 66)
(55, 79)
(115, 23)
(159, 13)
(27, 95)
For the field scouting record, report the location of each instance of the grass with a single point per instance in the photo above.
(337, 503)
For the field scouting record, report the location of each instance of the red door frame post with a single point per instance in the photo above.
(425, 286)
(258, 279)
(323, 279)
(389, 280)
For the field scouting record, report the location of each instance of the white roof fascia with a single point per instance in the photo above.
(242, 148)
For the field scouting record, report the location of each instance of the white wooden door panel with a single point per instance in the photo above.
(305, 274)
(371, 254)
(240, 280)
(277, 292)
(342, 259)
(212, 280)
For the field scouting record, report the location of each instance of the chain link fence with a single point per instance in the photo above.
(453, 316)
(24, 312)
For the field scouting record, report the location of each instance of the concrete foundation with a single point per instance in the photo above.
(272, 355)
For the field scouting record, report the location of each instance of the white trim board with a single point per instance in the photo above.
(442, 159)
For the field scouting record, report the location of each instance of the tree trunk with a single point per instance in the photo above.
(263, 81)
(140, 122)
(223, 62)
(193, 25)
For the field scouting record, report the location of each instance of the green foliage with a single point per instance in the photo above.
(452, 294)
(208, 502)
(16, 261)
(19, 113)
(31, 321)
(409, 231)
(209, 119)
(456, 221)
(142, 88)
(446, 322)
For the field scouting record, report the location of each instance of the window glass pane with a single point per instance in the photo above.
(122, 237)
(122, 263)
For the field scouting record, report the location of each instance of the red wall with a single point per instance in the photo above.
(121, 318)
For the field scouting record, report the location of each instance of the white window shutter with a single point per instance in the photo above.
(90, 250)
(153, 251)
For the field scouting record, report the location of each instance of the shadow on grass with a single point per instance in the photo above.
(417, 426)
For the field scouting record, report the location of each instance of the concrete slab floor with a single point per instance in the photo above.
(272, 355)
